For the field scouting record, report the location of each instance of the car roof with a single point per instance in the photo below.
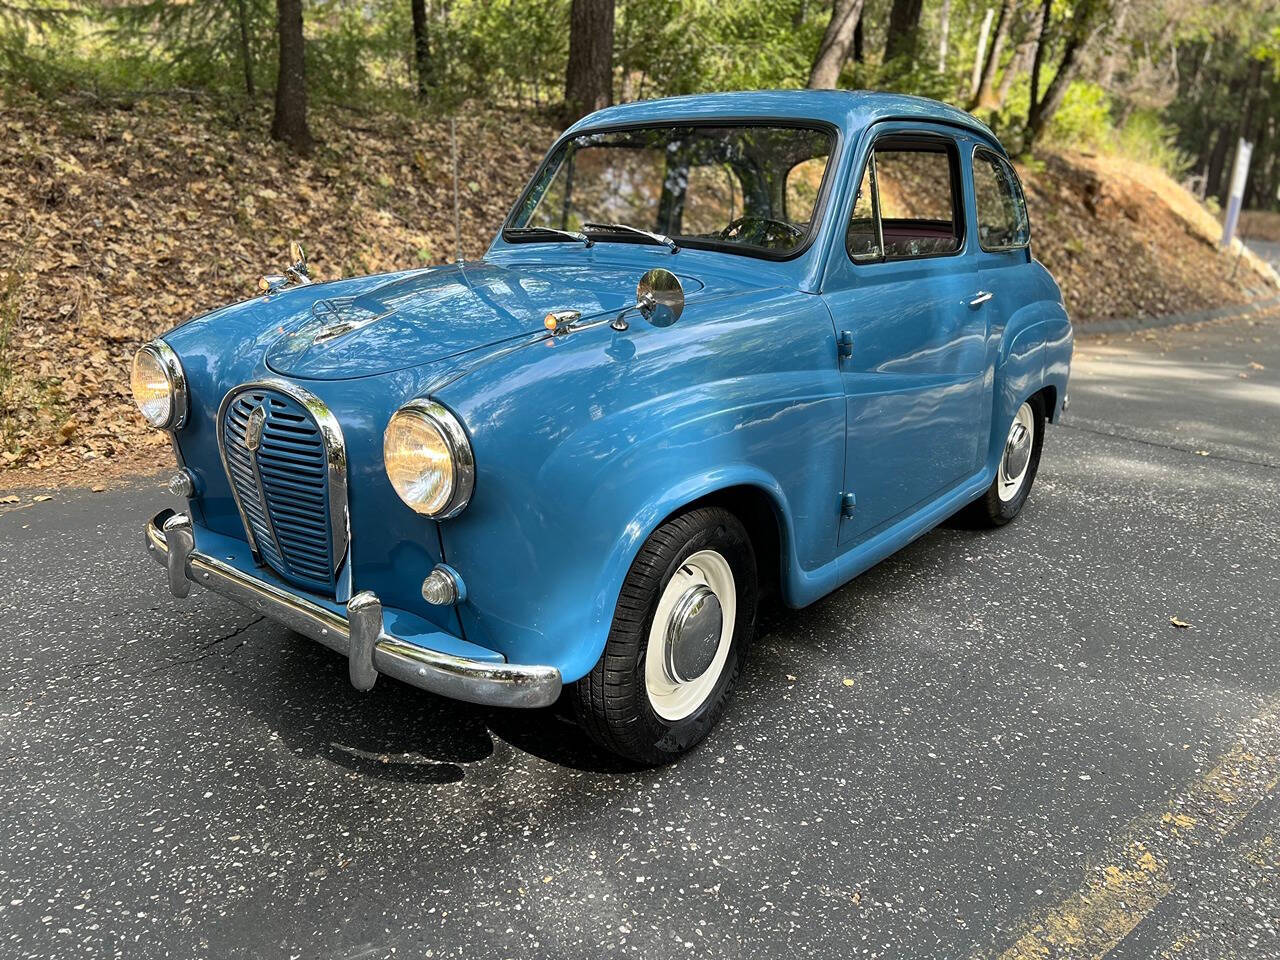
(848, 110)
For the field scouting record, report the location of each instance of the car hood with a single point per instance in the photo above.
(433, 314)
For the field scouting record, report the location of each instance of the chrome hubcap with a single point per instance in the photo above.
(691, 634)
(1017, 453)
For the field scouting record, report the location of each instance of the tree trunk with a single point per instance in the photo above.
(1087, 19)
(1111, 62)
(1214, 185)
(904, 27)
(246, 54)
(1021, 61)
(859, 39)
(836, 42)
(984, 99)
(421, 47)
(1037, 62)
(978, 57)
(588, 83)
(290, 124)
(944, 34)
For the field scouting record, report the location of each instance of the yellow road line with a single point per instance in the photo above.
(1128, 883)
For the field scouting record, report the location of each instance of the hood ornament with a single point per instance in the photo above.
(298, 273)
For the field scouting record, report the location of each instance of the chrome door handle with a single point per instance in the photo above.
(980, 298)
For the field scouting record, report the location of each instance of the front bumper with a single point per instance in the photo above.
(359, 636)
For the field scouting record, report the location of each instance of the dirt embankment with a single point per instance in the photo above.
(119, 220)
(1124, 240)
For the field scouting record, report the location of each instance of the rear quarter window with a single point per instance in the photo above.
(1003, 223)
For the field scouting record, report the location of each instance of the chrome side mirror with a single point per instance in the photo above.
(297, 273)
(660, 297)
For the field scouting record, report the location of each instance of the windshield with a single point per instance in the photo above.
(750, 189)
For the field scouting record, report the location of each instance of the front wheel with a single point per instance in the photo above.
(685, 614)
(1019, 462)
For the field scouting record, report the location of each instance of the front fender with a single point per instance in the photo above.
(585, 444)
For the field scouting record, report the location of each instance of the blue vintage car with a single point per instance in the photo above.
(722, 346)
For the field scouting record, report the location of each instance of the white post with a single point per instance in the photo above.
(1244, 152)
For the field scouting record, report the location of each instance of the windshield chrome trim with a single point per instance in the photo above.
(820, 207)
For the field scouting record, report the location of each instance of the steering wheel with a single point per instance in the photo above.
(762, 231)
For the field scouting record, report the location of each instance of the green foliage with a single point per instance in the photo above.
(903, 75)
(1084, 119)
(71, 53)
(672, 47)
(514, 52)
(1145, 136)
(194, 44)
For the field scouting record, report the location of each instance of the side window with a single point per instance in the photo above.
(1002, 212)
(908, 203)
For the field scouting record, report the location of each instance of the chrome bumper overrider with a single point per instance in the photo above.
(359, 636)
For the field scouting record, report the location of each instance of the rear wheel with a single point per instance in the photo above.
(685, 614)
(1019, 463)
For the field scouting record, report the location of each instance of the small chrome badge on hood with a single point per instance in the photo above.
(253, 429)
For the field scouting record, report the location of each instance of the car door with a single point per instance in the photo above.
(911, 321)
(1002, 238)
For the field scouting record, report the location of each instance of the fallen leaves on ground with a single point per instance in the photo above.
(1180, 624)
(133, 216)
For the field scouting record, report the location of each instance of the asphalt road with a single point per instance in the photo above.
(1268, 251)
(993, 744)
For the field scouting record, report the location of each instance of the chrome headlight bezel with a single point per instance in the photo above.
(171, 367)
(458, 447)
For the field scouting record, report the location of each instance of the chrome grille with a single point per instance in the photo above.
(279, 472)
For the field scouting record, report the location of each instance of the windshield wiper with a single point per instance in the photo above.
(659, 238)
(533, 231)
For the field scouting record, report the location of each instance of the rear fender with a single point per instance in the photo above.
(1035, 352)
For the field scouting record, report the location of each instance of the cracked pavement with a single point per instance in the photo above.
(991, 745)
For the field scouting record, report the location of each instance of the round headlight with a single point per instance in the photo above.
(428, 459)
(159, 387)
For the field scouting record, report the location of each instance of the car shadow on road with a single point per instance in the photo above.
(400, 734)
(395, 732)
